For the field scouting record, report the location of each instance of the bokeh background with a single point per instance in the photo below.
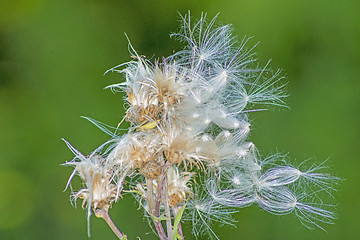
(53, 54)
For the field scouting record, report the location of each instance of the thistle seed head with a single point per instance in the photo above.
(187, 146)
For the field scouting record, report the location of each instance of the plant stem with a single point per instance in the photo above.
(103, 213)
(160, 187)
(179, 228)
(167, 208)
(160, 229)
(150, 195)
(155, 209)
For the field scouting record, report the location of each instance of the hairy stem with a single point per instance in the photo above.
(158, 198)
(104, 213)
(154, 205)
(160, 229)
(167, 207)
(160, 187)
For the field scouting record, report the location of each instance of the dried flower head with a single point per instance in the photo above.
(99, 191)
(178, 186)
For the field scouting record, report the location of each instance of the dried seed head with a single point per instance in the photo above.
(141, 151)
(100, 192)
(151, 93)
(178, 189)
(151, 168)
(166, 86)
(143, 105)
(180, 146)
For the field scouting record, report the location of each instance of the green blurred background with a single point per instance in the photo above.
(52, 58)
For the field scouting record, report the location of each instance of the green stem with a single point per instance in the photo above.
(179, 228)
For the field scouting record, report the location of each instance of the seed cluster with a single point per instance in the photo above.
(187, 148)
